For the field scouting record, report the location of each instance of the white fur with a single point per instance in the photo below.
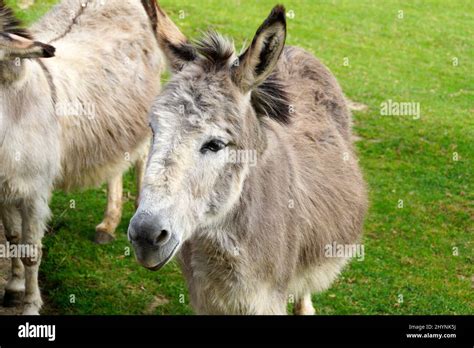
(112, 62)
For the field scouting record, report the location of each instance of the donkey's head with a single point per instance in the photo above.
(16, 42)
(207, 127)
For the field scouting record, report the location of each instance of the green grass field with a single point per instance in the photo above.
(419, 258)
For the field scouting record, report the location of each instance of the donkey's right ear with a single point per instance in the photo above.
(173, 43)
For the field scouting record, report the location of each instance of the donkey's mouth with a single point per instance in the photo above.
(165, 261)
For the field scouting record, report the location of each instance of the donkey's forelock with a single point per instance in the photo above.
(10, 24)
(217, 52)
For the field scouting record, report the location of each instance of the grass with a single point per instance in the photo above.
(422, 252)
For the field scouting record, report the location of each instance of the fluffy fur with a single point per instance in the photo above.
(252, 236)
(107, 61)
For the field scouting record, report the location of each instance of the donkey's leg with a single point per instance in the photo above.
(105, 231)
(15, 288)
(140, 167)
(304, 306)
(34, 215)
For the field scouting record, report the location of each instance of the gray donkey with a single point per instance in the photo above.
(251, 235)
(74, 120)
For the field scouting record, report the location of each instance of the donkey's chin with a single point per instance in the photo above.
(164, 262)
(158, 266)
(161, 259)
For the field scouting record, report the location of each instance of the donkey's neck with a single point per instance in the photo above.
(24, 89)
(12, 73)
(266, 199)
(269, 182)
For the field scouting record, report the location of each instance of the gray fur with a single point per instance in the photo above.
(106, 56)
(252, 237)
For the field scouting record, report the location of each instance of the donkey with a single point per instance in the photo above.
(71, 116)
(250, 235)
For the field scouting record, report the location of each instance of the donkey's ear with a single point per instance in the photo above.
(173, 43)
(258, 62)
(16, 42)
(14, 46)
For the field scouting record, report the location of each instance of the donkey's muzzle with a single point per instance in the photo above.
(154, 246)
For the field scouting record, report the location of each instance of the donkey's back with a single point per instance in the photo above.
(314, 91)
(106, 73)
(90, 20)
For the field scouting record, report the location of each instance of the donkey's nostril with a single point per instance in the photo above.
(162, 237)
(148, 231)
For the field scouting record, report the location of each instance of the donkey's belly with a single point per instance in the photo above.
(106, 73)
(103, 113)
(98, 167)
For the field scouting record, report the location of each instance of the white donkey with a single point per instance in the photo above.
(252, 177)
(74, 120)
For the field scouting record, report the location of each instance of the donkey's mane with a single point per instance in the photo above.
(269, 99)
(10, 24)
(215, 49)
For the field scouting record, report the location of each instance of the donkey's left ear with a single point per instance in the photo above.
(175, 46)
(14, 46)
(258, 62)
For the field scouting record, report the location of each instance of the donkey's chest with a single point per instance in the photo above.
(222, 283)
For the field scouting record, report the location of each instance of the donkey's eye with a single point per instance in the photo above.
(214, 145)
